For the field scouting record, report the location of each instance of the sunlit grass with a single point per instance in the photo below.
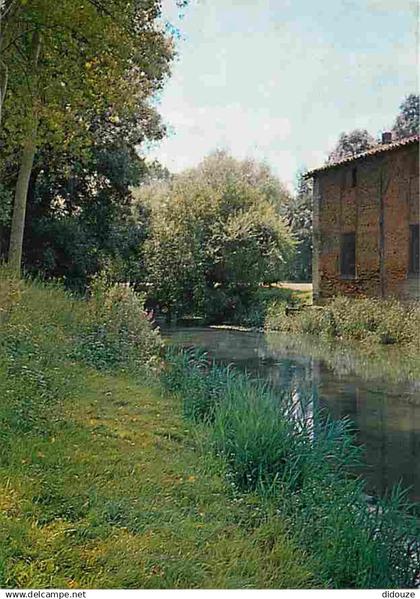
(103, 484)
(367, 320)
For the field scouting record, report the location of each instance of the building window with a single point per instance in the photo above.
(354, 177)
(414, 250)
(348, 255)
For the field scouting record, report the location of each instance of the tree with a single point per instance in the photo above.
(8, 10)
(216, 235)
(80, 219)
(70, 63)
(298, 214)
(408, 120)
(351, 144)
(220, 169)
(79, 215)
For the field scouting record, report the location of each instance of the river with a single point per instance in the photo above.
(377, 393)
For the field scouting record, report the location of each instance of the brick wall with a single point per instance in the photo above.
(378, 203)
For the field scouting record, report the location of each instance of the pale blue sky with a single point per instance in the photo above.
(278, 80)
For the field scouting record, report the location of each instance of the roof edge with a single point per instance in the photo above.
(379, 149)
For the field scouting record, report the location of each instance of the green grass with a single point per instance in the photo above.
(288, 295)
(103, 483)
(367, 320)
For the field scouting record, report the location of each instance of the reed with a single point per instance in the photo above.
(102, 482)
(293, 456)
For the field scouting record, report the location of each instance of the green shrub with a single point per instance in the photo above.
(381, 321)
(259, 304)
(119, 332)
(277, 319)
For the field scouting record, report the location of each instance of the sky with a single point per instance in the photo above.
(279, 80)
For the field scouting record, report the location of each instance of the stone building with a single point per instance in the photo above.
(366, 223)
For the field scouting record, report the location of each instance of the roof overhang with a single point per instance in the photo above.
(379, 149)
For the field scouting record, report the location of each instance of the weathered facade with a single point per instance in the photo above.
(366, 224)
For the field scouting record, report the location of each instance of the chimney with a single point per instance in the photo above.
(386, 137)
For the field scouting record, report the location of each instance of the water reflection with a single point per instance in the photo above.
(384, 409)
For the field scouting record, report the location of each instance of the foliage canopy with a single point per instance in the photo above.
(81, 75)
(216, 234)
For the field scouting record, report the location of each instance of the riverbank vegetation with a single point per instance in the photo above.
(301, 464)
(373, 338)
(216, 235)
(102, 482)
(387, 364)
(121, 468)
(366, 320)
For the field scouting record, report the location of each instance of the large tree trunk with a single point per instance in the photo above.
(25, 169)
(3, 84)
(19, 207)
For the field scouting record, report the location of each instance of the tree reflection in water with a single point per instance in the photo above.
(380, 397)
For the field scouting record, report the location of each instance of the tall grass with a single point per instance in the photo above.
(32, 353)
(100, 486)
(45, 333)
(297, 459)
(118, 333)
(381, 321)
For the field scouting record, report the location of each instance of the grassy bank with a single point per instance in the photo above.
(301, 465)
(118, 470)
(103, 483)
(255, 314)
(385, 322)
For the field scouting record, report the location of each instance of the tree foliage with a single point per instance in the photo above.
(216, 234)
(80, 220)
(95, 57)
(70, 64)
(84, 110)
(408, 120)
(298, 214)
(359, 140)
(351, 144)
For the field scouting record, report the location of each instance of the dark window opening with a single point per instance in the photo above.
(414, 250)
(354, 177)
(348, 255)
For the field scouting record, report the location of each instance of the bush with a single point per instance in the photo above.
(254, 311)
(381, 321)
(276, 318)
(119, 332)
